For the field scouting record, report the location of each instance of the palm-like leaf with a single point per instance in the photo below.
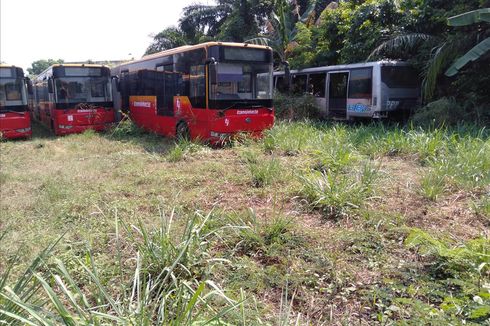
(474, 54)
(401, 44)
(442, 56)
(470, 18)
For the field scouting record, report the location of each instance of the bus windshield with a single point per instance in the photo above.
(240, 81)
(12, 92)
(83, 89)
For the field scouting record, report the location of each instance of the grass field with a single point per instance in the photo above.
(316, 224)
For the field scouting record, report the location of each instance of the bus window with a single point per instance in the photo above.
(298, 84)
(400, 77)
(281, 84)
(317, 85)
(361, 83)
(198, 87)
(13, 90)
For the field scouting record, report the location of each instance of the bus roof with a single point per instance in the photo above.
(186, 48)
(74, 65)
(3, 65)
(345, 67)
(16, 72)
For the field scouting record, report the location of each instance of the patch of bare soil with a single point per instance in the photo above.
(451, 214)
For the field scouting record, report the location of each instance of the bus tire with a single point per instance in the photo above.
(182, 131)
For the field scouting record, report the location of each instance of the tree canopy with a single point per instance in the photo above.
(324, 32)
(39, 66)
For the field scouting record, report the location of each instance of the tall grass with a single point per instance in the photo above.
(170, 285)
(338, 194)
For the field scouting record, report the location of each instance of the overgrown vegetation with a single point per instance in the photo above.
(315, 223)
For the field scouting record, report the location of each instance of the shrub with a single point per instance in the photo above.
(448, 112)
(463, 266)
(295, 107)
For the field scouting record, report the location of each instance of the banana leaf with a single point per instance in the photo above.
(471, 17)
(472, 55)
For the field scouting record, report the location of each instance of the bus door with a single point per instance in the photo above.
(337, 94)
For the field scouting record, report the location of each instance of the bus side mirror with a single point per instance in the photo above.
(50, 85)
(116, 82)
(29, 85)
(210, 61)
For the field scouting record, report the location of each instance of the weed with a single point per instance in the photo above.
(182, 149)
(264, 172)
(432, 185)
(482, 207)
(166, 287)
(465, 267)
(338, 194)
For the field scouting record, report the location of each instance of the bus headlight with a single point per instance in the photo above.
(219, 134)
(23, 130)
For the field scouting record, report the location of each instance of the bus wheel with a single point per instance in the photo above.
(182, 131)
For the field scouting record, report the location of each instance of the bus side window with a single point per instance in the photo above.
(361, 83)
(298, 84)
(317, 85)
(281, 84)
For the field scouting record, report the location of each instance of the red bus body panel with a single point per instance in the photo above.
(77, 120)
(15, 125)
(201, 122)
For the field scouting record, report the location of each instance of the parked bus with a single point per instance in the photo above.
(364, 90)
(15, 121)
(71, 98)
(208, 91)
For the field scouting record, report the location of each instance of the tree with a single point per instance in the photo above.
(228, 20)
(39, 66)
(442, 49)
(169, 38)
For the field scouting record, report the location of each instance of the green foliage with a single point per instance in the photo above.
(169, 38)
(301, 52)
(469, 18)
(338, 194)
(443, 112)
(295, 107)
(482, 208)
(169, 286)
(432, 185)
(183, 148)
(263, 172)
(465, 266)
(39, 66)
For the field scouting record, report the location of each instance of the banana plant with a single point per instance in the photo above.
(470, 18)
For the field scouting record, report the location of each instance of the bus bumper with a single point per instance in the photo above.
(67, 129)
(16, 133)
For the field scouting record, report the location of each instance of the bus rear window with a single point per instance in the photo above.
(400, 77)
(361, 83)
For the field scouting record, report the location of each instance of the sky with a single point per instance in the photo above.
(79, 30)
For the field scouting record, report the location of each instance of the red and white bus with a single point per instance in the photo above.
(71, 98)
(209, 91)
(15, 121)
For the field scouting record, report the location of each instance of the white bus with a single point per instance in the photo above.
(378, 89)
